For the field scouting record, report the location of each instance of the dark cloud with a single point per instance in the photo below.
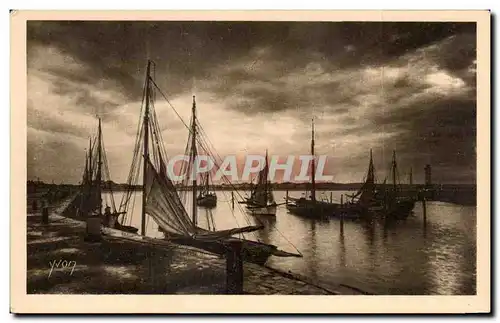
(187, 50)
(282, 67)
(437, 132)
(119, 50)
(42, 150)
(41, 121)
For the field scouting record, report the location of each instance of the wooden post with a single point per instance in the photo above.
(156, 271)
(342, 213)
(331, 197)
(286, 197)
(45, 215)
(234, 268)
(424, 206)
(93, 233)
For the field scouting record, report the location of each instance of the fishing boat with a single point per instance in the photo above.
(162, 202)
(395, 205)
(89, 197)
(386, 202)
(261, 200)
(311, 206)
(91, 194)
(206, 197)
(364, 200)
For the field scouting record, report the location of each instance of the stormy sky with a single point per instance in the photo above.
(403, 86)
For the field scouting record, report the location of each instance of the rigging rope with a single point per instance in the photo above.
(126, 197)
(206, 145)
(203, 144)
(203, 140)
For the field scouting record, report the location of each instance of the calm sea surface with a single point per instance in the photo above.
(404, 258)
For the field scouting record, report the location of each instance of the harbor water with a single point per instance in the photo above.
(411, 257)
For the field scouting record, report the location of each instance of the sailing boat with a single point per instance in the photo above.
(92, 184)
(261, 201)
(388, 203)
(206, 198)
(162, 202)
(89, 195)
(364, 199)
(395, 204)
(311, 207)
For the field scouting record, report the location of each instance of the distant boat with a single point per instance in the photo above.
(91, 194)
(161, 200)
(395, 204)
(206, 197)
(364, 200)
(314, 208)
(261, 200)
(388, 203)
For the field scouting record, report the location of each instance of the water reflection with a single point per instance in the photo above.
(424, 228)
(269, 223)
(342, 248)
(369, 231)
(311, 262)
(385, 232)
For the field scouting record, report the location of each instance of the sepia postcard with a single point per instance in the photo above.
(250, 162)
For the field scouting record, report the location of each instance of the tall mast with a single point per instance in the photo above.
(99, 166)
(146, 149)
(194, 153)
(207, 183)
(87, 176)
(371, 170)
(90, 160)
(86, 173)
(266, 175)
(313, 181)
(394, 169)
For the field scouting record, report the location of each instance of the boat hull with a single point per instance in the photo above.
(208, 201)
(126, 228)
(252, 251)
(262, 210)
(320, 209)
(400, 209)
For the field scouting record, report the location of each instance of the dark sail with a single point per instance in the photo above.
(262, 194)
(165, 207)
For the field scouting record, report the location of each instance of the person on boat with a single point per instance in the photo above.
(107, 216)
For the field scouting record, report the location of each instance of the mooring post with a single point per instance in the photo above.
(45, 215)
(93, 233)
(341, 199)
(234, 268)
(156, 270)
(286, 198)
(331, 197)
